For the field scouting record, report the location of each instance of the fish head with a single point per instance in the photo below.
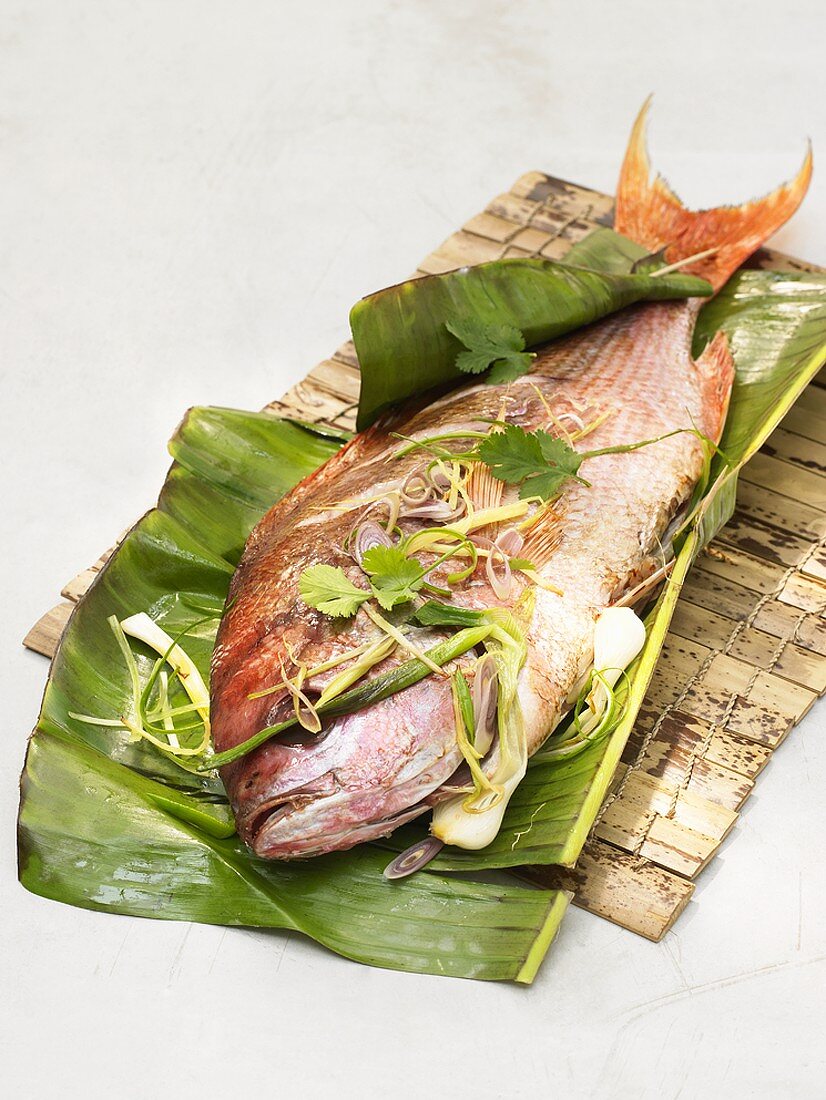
(365, 774)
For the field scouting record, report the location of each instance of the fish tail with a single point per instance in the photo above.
(650, 213)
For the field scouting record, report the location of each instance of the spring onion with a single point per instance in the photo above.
(366, 693)
(400, 639)
(371, 656)
(463, 720)
(139, 719)
(619, 636)
(472, 821)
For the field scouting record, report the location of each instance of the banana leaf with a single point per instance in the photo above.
(404, 347)
(114, 825)
(93, 833)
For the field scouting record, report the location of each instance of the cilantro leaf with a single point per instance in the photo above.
(545, 484)
(536, 461)
(326, 588)
(512, 454)
(507, 370)
(501, 347)
(394, 577)
(557, 452)
(473, 362)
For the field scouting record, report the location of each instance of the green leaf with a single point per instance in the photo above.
(214, 443)
(563, 463)
(512, 454)
(394, 577)
(546, 485)
(510, 368)
(404, 344)
(557, 452)
(474, 362)
(497, 345)
(652, 262)
(473, 333)
(522, 563)
(327, 588)
(607, 251)
(229, 468)
(536, 461)
(115, 848)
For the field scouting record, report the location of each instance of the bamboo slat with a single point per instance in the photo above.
(626, 889)
(44, 636)
(746, 653)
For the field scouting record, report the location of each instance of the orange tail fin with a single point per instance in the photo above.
(650, 213)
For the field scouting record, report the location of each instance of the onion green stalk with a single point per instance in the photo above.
(472, 821)
(165, 708)
(316, 670)
(372, 656)
(431, 537)
(146, 630)
(400, 639)
(365, 694)
(140, 720)
(619, 637)
(463, 718)
(434, 613)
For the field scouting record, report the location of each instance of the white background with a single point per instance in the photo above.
(193, 194)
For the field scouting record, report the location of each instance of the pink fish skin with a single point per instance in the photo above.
(377, 768)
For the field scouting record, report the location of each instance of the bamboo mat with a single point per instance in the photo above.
(746, 654)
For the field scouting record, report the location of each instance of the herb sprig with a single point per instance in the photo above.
(394, 577)
(395, 574)
(496, 348)
(536, 461)
(328, 589)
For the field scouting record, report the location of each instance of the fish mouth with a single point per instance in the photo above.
(326, 818)
(373, 771)
(298, 831)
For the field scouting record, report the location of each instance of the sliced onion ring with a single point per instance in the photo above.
(510, 541)
(367, 535)
(435, 509)
(485, 696)
(439, 478)
(500, 582)
(417, 487)
(414, 858)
